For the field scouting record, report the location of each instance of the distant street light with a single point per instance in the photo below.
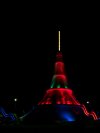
(15, 99)
(87, 102)
(15, 102)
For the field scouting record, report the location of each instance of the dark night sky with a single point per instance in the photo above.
(28, 50)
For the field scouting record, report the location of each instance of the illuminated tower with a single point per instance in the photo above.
(59, 93)
(59, 103)
(61, 97)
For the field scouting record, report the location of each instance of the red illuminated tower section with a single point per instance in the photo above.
(59, 93)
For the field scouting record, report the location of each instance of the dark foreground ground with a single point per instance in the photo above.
(93, 127)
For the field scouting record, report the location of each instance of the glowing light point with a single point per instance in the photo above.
(87, 102)
(15, 99)
(59, 40)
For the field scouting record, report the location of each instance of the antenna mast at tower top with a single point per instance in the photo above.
(58, 40)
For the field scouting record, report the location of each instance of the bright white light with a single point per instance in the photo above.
(87, 102)
(59, 40)
(15, 99)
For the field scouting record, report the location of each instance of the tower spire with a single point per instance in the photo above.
(58, 40)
